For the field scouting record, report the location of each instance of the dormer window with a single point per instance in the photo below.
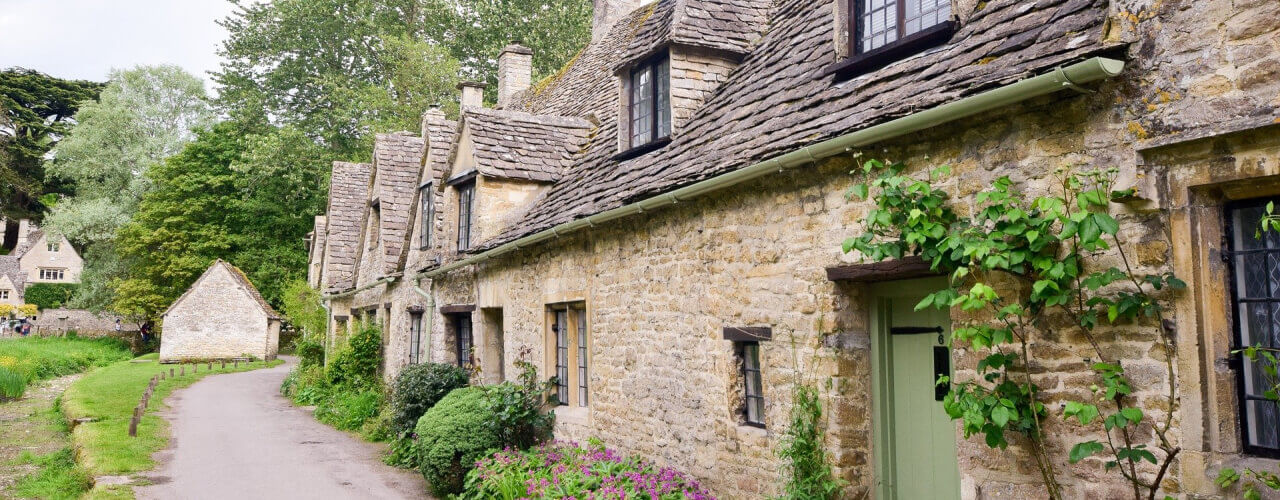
(884, 31)
(466, 208)
(427, 213)
(375, 224)
(649, 87)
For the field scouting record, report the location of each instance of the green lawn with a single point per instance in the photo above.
(108, 395)
(39, 358)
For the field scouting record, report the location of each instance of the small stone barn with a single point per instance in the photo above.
(221, 316)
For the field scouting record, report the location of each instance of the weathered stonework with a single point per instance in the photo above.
(221, 316)
(1193, 122)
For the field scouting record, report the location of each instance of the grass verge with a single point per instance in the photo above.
(108, 396)
(26, 360)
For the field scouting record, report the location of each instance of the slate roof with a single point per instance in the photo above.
(397, 159)
(440, 135)
(725, 25)
(240, 279)
(517, 145)
(9, 266)
(348, 198)
(778, 100)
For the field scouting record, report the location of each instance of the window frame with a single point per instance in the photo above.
(747, 372)
(574, 372)
(53, 246)
(466, 190)
(375, 230)
(463, 355)
(415, 337)
(659, 104)
(4, 294)
(1238, 362)
(60, 270)
(862, 61)
(428, 214)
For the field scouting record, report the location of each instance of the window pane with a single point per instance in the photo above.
(582, 357)
(427, 215)
(641, 106)
(922, 14)
(1256, 275)
(561, 327)
(663, 104)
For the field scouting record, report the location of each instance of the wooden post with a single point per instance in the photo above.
(133, 426)
(195, 367)
(183, 372)
(171, 372)
(210, 366)
(237, 364)
(224, 364)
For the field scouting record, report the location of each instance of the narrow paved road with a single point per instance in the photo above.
(234, 436)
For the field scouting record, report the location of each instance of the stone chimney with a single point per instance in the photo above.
(515, 72)
(432, 113)
(472, 94)
(608, 12)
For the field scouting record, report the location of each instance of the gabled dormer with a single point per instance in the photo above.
(500, 162)
(438, 134)
(680, 54)
(397, 167)
(345, 218)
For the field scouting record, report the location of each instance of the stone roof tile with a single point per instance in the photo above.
(726, 25)
(516, 145)
(778, 100)
(397, 159)
(348, 198)
(9, 266)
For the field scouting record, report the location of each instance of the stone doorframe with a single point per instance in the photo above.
(1191, 181)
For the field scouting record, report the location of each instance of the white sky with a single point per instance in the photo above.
(84, 39)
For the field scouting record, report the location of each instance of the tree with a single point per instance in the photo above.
(476, 30)
(35, 112)
(143, 116)
(242, 193)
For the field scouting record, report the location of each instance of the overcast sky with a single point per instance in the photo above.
(84, 39)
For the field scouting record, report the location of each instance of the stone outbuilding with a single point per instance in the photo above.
(221, 316)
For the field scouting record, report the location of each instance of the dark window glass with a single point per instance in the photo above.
(415, 338)
(1255, 274)
(650, 101)
(561, 329)
(753, 393)
(466, 204)
(878, 23)
(462, 338)
(427, 213)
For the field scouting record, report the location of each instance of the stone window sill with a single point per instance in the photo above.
(577, 415)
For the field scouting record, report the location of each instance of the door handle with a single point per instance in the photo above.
(941, 367)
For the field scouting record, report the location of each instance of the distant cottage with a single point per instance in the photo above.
(221, 316)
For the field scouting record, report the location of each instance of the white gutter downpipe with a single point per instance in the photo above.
(1070, 77)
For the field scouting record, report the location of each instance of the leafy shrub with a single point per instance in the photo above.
(349, 410)
(565, 470)
(452, 435)
(418, 388)
(358, 361)
(306, 385)
(310, 350)
(809, 473)
(520, 416)
(49, 295)
(12, 383)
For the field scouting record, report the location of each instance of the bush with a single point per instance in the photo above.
(12, 383)
(521, 419)
(310, 350)
(452, 436)
(418, 388)
(49, 295)
(349, 410)
(565, 470)
(357, 363)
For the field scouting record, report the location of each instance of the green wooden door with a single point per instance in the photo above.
(916, 440)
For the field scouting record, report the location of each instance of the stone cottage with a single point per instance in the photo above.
(221, 316)
(660, 225)
(12, 281)
(44, 258)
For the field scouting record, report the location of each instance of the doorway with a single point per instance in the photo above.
(915, 440)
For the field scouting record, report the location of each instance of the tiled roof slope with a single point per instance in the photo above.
(240, 279)
(727, 25)
(398, 160)
(32, 238)
(516, 145)
(440, 135)
(9, 266)
(348, 197)
(777, 100)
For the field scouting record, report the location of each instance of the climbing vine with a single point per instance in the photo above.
(1014, 262)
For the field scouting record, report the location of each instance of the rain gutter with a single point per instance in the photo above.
(353, 291)
(1069, 77)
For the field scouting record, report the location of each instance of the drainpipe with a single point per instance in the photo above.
(430, 311)
(1069, 77)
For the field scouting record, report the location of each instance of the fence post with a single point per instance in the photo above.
(210, 366)
(224, 364)
(171, 372)
(183, 371)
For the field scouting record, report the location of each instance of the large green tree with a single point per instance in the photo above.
(243, 193)
(143, 116)
(35, 112)
(330, 68)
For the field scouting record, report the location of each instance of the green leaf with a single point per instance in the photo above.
(859, 190)
(1084, 450)
(1132, 414)
(1000, 416)
(1107, 223)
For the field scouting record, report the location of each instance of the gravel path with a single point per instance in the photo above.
(234, 436)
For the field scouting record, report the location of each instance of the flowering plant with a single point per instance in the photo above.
(559, 469)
